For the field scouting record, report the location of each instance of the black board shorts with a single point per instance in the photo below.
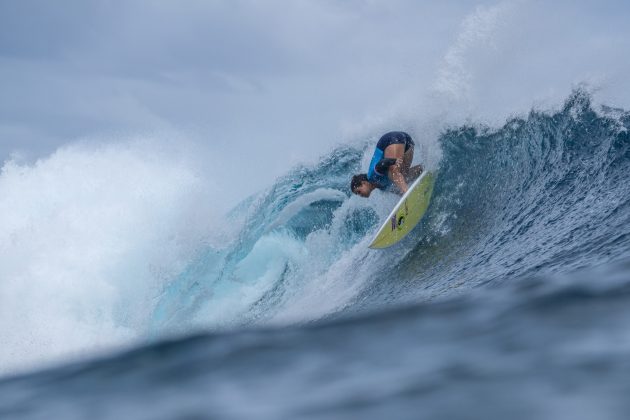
(395, 137)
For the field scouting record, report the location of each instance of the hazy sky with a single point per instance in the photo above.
(227, 70)
(283, 81)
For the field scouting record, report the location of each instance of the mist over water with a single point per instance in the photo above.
(232, 250)
(88, 236)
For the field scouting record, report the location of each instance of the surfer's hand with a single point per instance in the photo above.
(402, 186)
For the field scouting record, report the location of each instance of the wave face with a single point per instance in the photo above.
(542, 195)
(510, 298)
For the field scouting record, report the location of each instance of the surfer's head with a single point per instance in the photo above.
(361, 186)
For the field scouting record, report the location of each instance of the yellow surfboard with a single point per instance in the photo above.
(407, 212)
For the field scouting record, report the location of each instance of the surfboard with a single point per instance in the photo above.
(407, 213)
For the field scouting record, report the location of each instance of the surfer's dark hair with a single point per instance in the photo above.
(357, 180)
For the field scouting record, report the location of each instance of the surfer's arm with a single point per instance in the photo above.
(395, 174)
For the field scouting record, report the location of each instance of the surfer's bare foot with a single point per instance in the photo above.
(414, 172)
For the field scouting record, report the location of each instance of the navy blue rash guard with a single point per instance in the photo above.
(380, 179)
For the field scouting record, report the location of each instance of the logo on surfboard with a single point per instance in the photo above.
(398, 222)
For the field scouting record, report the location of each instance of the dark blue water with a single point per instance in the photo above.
(510, 300)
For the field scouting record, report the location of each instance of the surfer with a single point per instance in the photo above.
(390, 166)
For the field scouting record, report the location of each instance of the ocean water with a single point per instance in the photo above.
(511, 299)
